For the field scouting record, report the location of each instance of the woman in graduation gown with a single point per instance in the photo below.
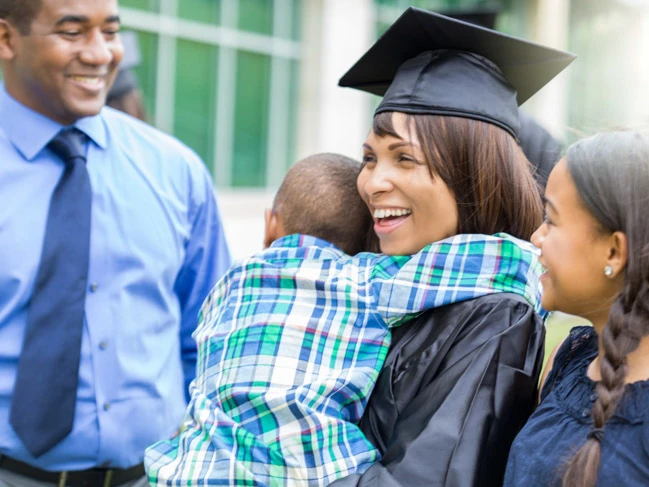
(461, 380)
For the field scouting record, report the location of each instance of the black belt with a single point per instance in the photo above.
(93, 477)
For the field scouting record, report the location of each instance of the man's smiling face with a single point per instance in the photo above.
(64, 66)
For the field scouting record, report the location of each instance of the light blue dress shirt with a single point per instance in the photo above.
(156, 249)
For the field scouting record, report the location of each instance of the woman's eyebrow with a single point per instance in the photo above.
(396, 145)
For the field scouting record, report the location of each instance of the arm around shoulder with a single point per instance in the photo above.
(458, 384)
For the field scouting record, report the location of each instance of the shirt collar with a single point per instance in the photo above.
(30, 131)
(300, 240)
(94, 128)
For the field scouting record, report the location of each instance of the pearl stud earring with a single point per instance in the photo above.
(608, 271)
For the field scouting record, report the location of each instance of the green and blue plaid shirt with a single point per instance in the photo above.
(291, 342)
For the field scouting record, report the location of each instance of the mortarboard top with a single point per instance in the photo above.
(429, 63)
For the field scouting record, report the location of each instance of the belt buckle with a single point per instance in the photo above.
(108, 478)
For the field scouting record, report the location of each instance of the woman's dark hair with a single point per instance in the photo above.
(611, 173)
(20, 13)
(484, 168)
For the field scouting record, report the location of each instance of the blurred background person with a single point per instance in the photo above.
(125, 94)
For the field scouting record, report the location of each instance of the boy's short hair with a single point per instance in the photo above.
(20, 13)
(318, 197)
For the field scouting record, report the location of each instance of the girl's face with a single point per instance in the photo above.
(574, 251)
(411, 209)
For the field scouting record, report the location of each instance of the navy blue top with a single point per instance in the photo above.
(560, 424)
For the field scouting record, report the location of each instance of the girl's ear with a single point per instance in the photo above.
(618, 253)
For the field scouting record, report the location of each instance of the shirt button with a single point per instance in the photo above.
(103, 346)
(93, 287)
(106, 406)
(585, 413)
(593, 396)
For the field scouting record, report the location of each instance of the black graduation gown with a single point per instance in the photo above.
(458, 384)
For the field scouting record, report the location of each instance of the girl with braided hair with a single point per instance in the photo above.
(592, 425)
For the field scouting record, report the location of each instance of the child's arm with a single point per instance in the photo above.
(453, 270)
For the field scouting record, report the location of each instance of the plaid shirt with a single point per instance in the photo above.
(291, 342)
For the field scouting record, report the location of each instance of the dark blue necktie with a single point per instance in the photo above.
(44, 397)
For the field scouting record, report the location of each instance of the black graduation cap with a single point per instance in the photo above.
(428, 63)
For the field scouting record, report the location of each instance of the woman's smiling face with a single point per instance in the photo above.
(411, 208)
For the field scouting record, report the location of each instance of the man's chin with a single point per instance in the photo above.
(77, 111)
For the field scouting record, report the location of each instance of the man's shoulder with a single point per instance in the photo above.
(131, 132)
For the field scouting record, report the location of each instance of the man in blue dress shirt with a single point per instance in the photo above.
(156, 247)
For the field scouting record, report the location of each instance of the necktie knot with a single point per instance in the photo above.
(69, 145)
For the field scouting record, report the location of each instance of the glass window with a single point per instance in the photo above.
(256, 16)
(297, 21)
(251, 120)
(293, 102)
(610, 41)
(200, 10)
(197, 86)
(194, 104)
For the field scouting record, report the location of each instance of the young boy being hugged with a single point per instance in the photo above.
(292, 339)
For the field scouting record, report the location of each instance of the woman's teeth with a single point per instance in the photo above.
(385, 213)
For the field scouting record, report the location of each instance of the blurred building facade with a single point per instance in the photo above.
(251, 85)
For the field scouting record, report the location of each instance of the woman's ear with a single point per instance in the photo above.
(618, 253)
(7, 32)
